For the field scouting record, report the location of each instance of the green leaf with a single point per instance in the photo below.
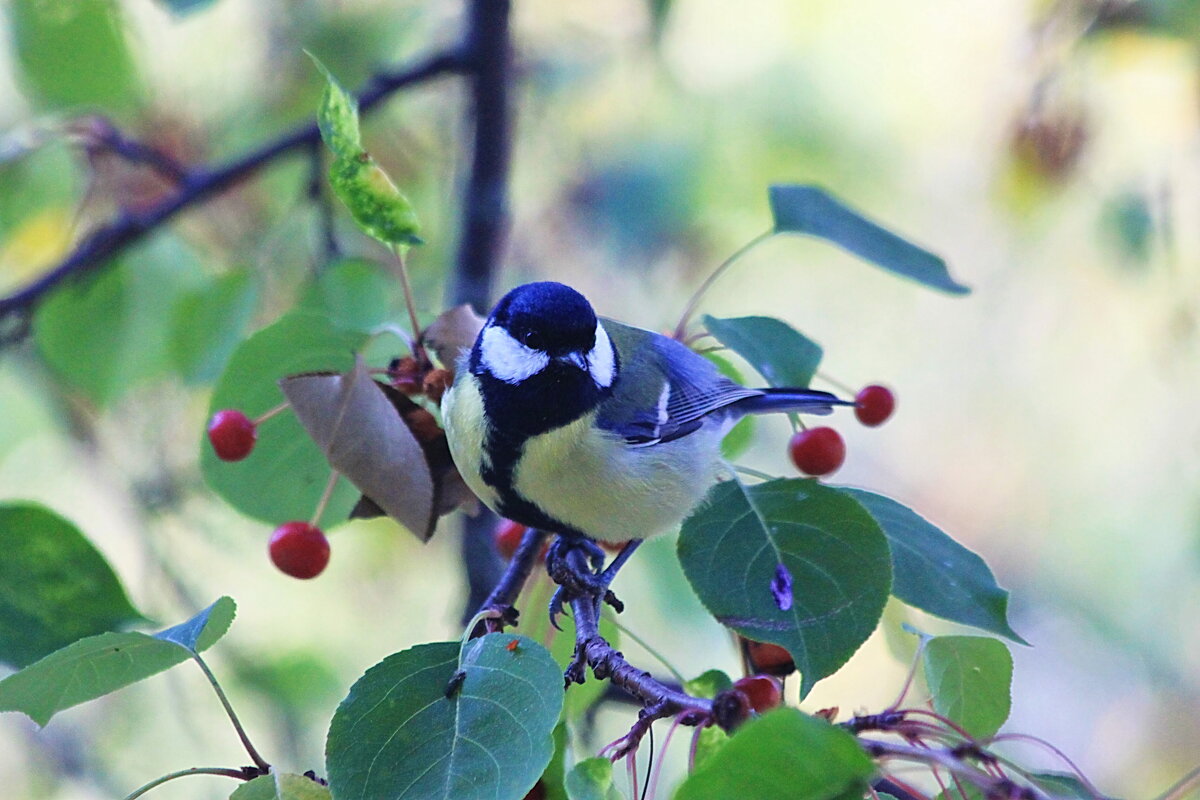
(810, 210)
(554, 775)
(592, 779)
(109, 332)
(203, 630)
(708, 684)
(781, 354)
(285, 474)
(337, 117)
(933, 572)
(970, 678)
(55, 587)
(354, 293)
(784, 753)
(379, 208)
(1064, 785)
(732, 549)
(209, 323)
(281, 786)
(709, 743)
(73, 53)
(397, 734)
(97, 665)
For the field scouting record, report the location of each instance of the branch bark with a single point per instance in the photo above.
(484, 228)
(197, 185)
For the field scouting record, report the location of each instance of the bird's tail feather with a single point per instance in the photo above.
(808, 401)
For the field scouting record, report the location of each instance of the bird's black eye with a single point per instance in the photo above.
(533, 340)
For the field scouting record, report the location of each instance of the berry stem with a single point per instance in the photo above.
(753, 473)
(912, 674)
(258, 760)
(274, 412)
(183, 773)
(835, 383)
(418, 349)
(646, 646)
(324, 501)
(681, 328)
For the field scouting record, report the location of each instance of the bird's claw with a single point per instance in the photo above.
(576, 565)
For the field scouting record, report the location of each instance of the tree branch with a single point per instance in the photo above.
(198, 185)
(505, 593)
(483, 229)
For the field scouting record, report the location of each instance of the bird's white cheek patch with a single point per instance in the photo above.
(507, 359)
(601, 361)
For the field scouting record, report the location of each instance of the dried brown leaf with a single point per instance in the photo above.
(453, 333)
(353, 420)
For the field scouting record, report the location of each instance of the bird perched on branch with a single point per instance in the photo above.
(586, 427)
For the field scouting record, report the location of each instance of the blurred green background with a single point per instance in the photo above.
(1049, 150)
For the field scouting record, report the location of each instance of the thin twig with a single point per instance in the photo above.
(991, 785)
(512, 581)
(410, 303)
(224, 772)
(99, 134)
(258, 760)
(694, 303)
(201, 184)
(319, 197)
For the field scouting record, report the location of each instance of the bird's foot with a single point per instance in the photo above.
(575, 564)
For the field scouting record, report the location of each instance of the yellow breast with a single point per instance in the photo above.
(463, 418)
(598, 484)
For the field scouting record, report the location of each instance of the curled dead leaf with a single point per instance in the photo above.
(452, 334)
(390, 448)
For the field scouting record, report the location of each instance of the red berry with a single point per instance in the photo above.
(763, 691)
(770, 659)
(232, 434)
(817, 451)
(874, 404)
(508, 537)
(299, 549)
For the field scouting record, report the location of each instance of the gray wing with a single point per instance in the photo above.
(664, 390)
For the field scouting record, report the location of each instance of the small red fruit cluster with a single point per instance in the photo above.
(299, 549)
(821, 451)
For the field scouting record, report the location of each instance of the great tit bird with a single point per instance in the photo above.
(586, 427)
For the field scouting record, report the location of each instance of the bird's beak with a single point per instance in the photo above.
(575, 359)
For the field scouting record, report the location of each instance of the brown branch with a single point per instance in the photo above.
(505, 593)
(199, 184)
(659, 700)
(994, 787)
(98, 134)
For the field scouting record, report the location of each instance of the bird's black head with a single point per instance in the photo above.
(547, 317)
(544, 349)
